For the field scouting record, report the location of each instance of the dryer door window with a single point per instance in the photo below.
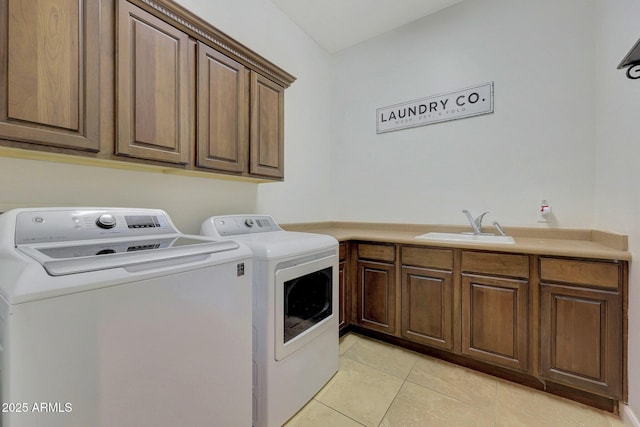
(307, 301)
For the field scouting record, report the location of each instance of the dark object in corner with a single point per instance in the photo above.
(632, 61)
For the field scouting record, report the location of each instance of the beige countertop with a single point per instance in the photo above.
(528, 240)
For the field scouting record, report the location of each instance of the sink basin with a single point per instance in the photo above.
(466, 238)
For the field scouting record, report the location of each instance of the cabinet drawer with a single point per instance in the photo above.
(427, 257)
(495, 264)
(586, 273)
(377, 252)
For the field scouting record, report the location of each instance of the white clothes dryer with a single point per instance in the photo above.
(111, 317)
(295, 312)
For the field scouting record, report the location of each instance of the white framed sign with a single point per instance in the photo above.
(459, 104)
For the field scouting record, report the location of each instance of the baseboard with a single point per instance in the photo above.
(628, 417)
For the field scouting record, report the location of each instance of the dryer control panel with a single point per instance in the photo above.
(45, 226)
(235, 225)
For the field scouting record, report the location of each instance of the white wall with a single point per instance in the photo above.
(539, 143)
(304, 194)
(188, 200)
(617, 198)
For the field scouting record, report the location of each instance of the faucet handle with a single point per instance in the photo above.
(499, 228)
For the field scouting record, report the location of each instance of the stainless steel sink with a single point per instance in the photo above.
(466, 238)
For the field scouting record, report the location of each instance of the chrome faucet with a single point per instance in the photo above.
(476, 224)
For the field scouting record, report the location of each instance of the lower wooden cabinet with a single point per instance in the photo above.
(581, 326)
(558, 321)
(377, 296)
(494, 320)
(427, 295)
(427, 306)
(581, 338)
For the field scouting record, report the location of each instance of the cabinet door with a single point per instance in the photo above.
(581, 338)
(376, 296)
(153, 87)
(49, 72)
(223, 112)
(267, 127)
(427, 307)
(494, 320)
(342, 284)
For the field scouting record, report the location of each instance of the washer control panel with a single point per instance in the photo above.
(43, 226)
(234, 225)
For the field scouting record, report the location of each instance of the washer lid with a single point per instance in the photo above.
(83, 256)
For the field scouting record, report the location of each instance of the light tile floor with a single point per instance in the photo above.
(380, 385)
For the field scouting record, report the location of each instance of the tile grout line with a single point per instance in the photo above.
(404, 381)
(391, 404)
(341, 413)
(465, 370)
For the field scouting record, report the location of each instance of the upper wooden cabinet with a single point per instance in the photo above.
(239, 130)
(267, 127)
(152, 86)
(239, 113)
(49, 72)
(183, 94)
(223, 107)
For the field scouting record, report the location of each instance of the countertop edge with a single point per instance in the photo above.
(583, 243)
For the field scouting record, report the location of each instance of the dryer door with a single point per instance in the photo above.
(306, 303)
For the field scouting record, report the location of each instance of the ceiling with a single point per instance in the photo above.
(338, 24)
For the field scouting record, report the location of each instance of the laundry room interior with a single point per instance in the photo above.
(562, 133)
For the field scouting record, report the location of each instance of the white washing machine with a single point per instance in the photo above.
(111, 317)
(295, 312)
